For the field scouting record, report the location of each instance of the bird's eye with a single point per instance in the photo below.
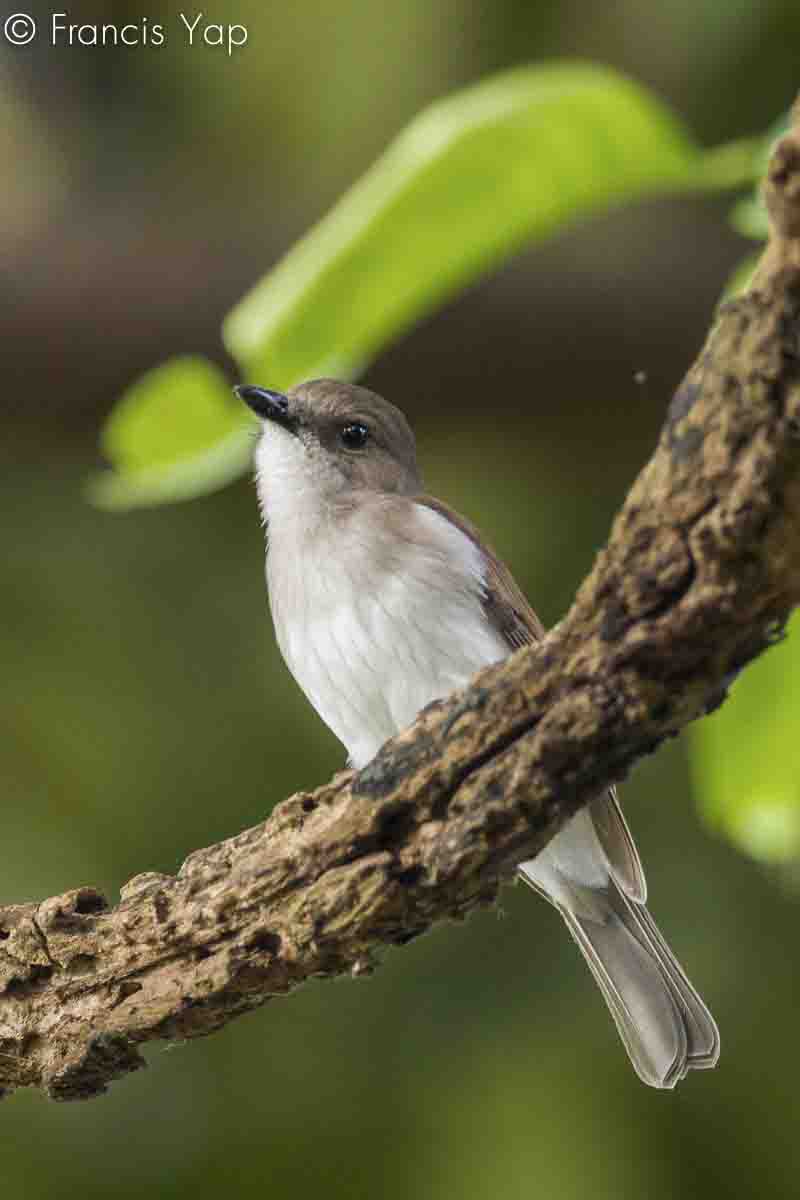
(354, 436)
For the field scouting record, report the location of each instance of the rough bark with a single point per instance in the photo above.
(700, 572)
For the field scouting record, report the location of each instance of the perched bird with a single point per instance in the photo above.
(384, 599)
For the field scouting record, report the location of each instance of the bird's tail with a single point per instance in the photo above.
(664, 1025)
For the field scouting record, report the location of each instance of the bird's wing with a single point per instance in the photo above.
(506, 608)
(509, 612)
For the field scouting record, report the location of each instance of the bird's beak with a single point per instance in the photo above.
(269, 405)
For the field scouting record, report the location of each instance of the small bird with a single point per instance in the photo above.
(384, 599)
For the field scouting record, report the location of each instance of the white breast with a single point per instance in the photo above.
(373, 625)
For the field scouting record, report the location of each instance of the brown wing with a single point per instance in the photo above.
(511, 615)
(504, 604)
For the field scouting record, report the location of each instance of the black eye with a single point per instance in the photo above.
(354, 436)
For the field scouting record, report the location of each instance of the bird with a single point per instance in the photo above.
(384, 599)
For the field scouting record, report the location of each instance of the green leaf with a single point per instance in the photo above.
(749, 217)
(469, 181)
(739, 279)
(745, 758)
(749, 214)
(176, 433)
(474, 177)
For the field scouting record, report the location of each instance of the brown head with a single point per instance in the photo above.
(343, 437)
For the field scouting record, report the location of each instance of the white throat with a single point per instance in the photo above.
(297, 484)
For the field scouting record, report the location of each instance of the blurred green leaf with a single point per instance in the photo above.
(475, 176)
(749, 214)
(472, 178)
(746, 757)
(749, 217)
(739, 279)
(177, 432)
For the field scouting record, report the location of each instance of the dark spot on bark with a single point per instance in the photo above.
(4, 935)
(736, 443)
(161, 906)
(128, 987)
(681, 404)
(648, 589)
(410, 876)
(265, 942)
(615, 621)
(38, 979)
(89, 902)
(309, 804)
(440, 807)
(381, 776)
(683, 445)
(642, 540)
(395, 825)
(494, 789)
(202, 953)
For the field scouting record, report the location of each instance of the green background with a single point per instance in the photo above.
(143, 708)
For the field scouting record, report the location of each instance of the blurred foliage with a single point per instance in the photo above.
(515, 158)
(144, 709)
(746, 757)
(176, 433)
(739, 279)
(749, 214)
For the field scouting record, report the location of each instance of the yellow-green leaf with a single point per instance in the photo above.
(745, 757)
(177, 432)
(474, 177)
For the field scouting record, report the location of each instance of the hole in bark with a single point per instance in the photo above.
(410, 876)
(440, 806)
(266, 942)
(37, 980)
(309, 804)
(88, 901)
(396, 825)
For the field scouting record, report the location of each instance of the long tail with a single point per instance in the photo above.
(664, 1025)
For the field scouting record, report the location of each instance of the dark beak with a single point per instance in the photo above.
(270, 406)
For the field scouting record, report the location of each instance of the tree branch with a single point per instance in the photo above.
(701, 570)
